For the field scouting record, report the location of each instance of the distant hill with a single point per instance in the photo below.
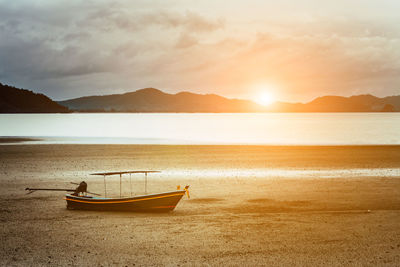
(358, 103)
(154, 100)
(15, 100)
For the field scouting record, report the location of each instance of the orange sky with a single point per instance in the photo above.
(295, 51)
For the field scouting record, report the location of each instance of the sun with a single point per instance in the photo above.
(265, 98)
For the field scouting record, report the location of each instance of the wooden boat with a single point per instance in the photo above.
(160, 202)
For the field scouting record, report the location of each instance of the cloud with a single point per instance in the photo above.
(186, 40)
(79, 36)
(38, 59)
(116, 17)
(101, 38)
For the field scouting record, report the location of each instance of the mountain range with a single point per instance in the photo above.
(154, 100)
(15, 100)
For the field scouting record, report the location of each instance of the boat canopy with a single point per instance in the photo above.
(119, 173)
(104, 174)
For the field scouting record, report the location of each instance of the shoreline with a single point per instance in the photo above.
(46, 140)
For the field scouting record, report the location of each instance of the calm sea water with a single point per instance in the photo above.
(198, 128)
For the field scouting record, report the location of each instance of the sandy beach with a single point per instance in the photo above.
(231, 220)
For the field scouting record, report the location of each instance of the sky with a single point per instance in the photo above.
(292, 50)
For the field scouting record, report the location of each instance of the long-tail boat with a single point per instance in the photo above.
(160, 202)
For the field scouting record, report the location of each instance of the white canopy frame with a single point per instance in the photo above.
(104, 174)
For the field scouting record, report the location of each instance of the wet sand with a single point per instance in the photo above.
(227, 221)
(17, 139)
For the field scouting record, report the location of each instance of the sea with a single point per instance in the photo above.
(205, 128)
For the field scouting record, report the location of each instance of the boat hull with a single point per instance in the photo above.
(163, 202)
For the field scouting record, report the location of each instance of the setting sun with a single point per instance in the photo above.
(265, 98)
